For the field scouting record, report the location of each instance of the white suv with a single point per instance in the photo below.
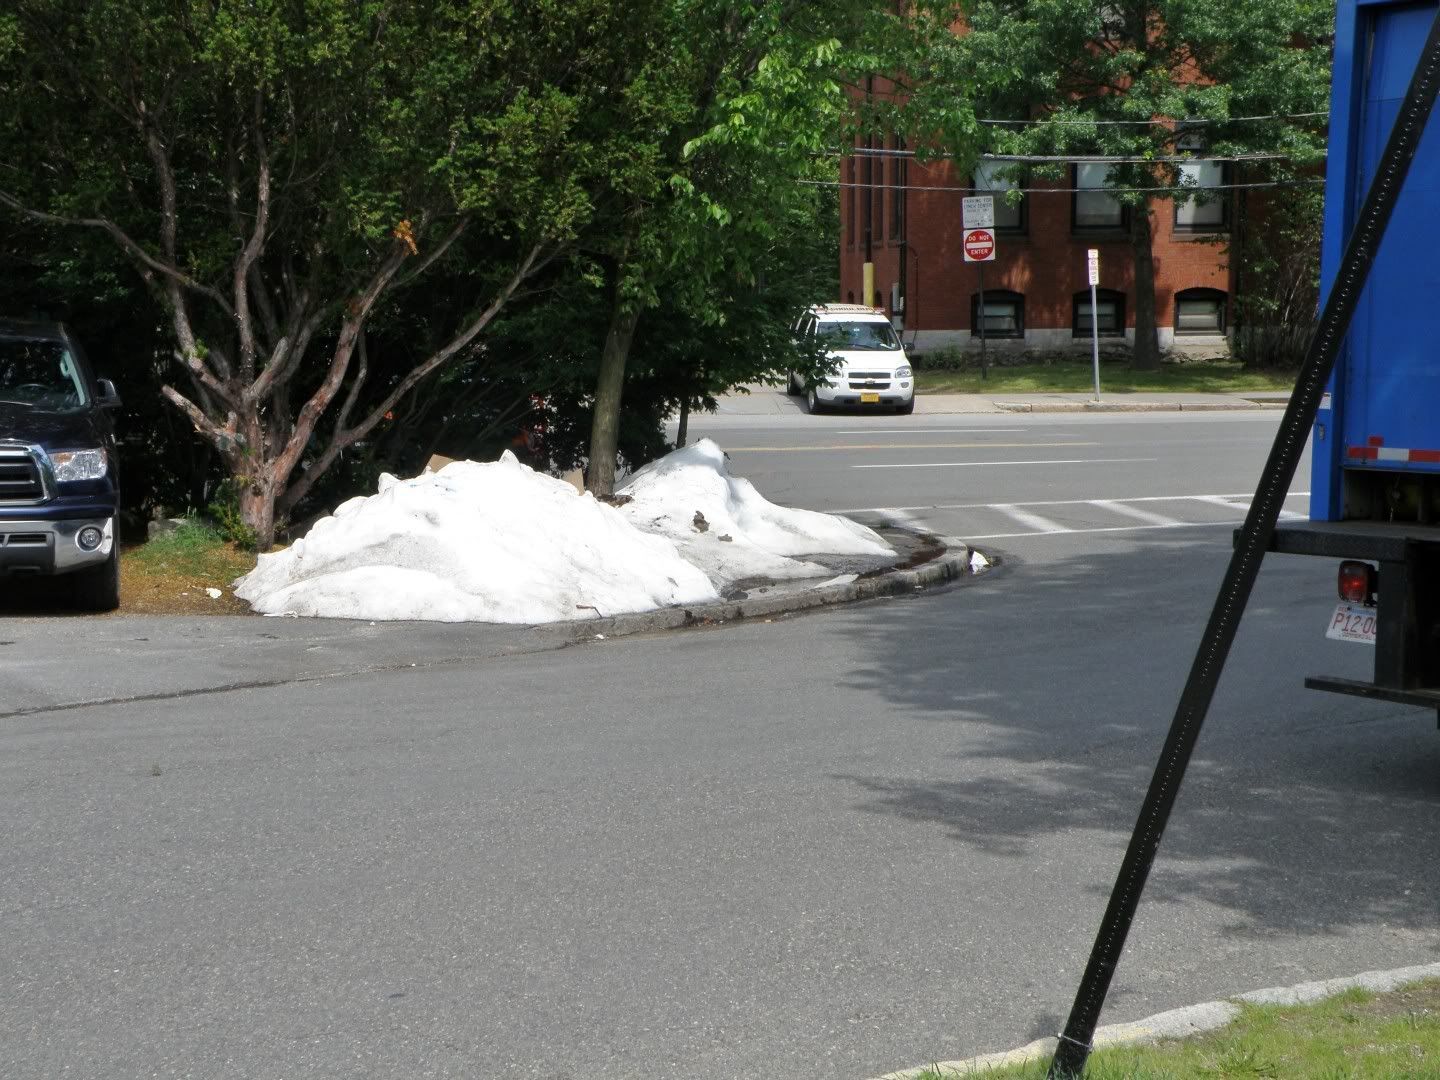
(873, 369)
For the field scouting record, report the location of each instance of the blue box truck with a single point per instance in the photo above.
(1375, 476)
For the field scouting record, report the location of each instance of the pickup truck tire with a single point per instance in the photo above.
(97, 588)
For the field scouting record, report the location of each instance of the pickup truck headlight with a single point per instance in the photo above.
(73, 465)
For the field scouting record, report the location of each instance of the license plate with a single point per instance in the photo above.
(869, 399)
(1352, 622)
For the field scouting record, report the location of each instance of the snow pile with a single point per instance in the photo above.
(493, 542)
(724, 526)
(499, 542)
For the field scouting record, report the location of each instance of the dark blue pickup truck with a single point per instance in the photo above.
(59, 482)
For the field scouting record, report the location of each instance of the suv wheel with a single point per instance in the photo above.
(97, 588)
(791, 386)
(812, 402)
(906, 409)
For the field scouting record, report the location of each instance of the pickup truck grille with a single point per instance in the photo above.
(20, 480)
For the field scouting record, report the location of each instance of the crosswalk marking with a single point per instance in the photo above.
(1083, 516)
(1025, 517)
(1134, 512)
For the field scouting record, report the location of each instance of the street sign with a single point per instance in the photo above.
(978, 212)
(1092, 262)
(979, 245)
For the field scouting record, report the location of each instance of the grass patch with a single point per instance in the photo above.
(169, 574)
(1076, 377)
(1356, 1035)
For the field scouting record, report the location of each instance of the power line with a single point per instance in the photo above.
(1179, 124)
(1187, 188)
(1078, 159)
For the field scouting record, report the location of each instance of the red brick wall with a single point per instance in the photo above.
(1046, 265)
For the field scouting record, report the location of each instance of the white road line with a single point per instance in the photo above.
(1111, 529)
(1061, 502)
(1024, 517)
(981, 464)
(934, 431)
(1133, 512)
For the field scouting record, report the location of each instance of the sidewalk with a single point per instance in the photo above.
(767, 400)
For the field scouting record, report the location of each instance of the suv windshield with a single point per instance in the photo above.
(874, 335)
(41, 373)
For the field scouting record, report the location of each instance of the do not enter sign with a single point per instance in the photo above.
(979, 245)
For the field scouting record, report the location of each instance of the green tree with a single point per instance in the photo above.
(288, 176)
(726, 125)
(1095, 77)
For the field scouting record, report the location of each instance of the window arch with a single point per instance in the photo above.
(1200, 311)
(1004, 314)
(1109, 312)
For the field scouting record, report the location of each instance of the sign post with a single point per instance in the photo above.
(978, 218)
(1092, 265)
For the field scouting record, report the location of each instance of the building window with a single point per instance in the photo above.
(1200, 311)
(1203, 212)
(1004, 314)
(1008, 218)
(1094, 208)
(850, 201)
(1109, 312)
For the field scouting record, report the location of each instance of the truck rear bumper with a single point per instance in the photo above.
(1407, 609)
(41, 548)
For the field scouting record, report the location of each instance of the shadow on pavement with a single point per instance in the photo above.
(1301, 812)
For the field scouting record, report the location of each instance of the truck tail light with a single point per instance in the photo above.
(1357, 582)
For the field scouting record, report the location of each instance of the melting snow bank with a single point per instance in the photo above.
(499, 542)
(474, 542)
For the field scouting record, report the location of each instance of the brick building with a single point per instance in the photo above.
(904, 216)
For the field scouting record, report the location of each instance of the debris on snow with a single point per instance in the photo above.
(978, 562)
(674, 494)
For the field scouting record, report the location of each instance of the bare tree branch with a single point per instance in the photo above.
(167, 270)
(343, 438)
(251, 252)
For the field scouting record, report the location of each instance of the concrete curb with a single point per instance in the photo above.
(1135, 406)
(1180, 1023)
(951, 565)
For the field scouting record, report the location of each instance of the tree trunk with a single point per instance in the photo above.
(257, 508)
(684, 423)
(605, 427)
(1146, 355)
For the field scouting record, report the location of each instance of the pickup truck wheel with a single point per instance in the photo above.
(97, 588)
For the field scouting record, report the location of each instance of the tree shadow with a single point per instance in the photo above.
(1302, 812)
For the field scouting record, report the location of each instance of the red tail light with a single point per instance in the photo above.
(1357, 582)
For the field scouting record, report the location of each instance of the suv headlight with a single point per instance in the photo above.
(79, 465)
(902, 372)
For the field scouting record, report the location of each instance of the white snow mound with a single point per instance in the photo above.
(493, 542)
(738, 533)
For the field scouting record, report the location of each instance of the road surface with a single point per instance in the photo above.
(825, 846)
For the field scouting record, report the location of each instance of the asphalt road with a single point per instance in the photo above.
(827, 846)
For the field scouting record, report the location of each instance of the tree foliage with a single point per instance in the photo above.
(287, 177)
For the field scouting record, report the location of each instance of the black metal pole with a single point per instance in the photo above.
(1074, 1047)
(980, 318)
